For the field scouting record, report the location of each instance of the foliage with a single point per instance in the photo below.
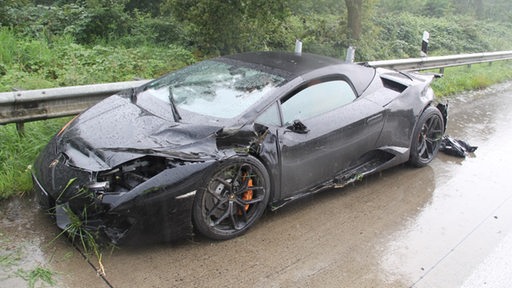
(224, 27)
(9, 258)
(317, 7)
(77, 231)
(36, 274)
(17, 153)
(31, 64)
(104, 22)
(496, 10)
(321, 35)
(389, 28)
(447, 36)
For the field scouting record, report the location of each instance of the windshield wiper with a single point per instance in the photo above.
(175, 112)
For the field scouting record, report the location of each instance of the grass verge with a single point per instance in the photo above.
(18, 152)
(475, 77)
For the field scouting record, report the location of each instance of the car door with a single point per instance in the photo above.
(325, 130)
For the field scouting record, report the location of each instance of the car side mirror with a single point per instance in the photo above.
(298, 127)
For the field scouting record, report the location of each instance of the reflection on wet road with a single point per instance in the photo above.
(446, 225)
(471, 208)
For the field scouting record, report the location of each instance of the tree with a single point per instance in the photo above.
(5, 5)
(354, 14)
(149, 6)
(437, 8)
(227, 26)
(479, 9)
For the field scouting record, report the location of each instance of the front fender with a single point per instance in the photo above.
(174, 181)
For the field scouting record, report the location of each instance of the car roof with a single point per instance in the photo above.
(292, 65)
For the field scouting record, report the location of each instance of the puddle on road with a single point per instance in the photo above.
(467, 199)
(24, 246)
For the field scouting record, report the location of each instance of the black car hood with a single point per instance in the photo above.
(116, 130)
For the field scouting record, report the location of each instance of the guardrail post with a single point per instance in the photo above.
(351, 53)
(20, 127)
(424, 44)
(298, 47)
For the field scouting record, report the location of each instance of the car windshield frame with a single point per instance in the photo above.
(218, 88)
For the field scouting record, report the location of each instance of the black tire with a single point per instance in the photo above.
(426, 137)
(223, 208)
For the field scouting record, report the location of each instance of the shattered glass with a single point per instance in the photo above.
(214, 88)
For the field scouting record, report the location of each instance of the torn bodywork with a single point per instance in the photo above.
(144, 192)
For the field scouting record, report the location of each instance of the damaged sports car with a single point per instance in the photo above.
(207, 149)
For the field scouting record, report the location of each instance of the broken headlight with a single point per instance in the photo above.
(129, 175)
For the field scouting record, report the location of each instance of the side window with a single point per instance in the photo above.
(317, 99)
(270, 117)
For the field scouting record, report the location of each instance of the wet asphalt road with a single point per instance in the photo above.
(445, 225)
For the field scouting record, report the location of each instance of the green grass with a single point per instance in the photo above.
(87, 240)
(478, 76)
(17, 153)
(35, 275)
(10, 258)
(27, 63)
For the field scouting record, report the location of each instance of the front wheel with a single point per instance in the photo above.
(427, 137)
(233, 198)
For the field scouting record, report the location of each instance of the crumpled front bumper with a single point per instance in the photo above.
(158, 210)
(152, 219)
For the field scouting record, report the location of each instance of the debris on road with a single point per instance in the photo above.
(456, 147)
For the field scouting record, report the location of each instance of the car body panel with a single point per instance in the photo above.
(333, 143)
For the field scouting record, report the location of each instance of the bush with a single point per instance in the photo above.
(32, 64)
(93, 25)
(457, 34)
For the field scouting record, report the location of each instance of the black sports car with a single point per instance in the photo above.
(213, 145)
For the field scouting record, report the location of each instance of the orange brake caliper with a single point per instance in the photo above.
(247, 194)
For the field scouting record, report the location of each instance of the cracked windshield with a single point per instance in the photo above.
(213, 88)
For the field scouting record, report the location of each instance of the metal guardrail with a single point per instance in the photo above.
(435, 62)
(24, 106)
(31, 105)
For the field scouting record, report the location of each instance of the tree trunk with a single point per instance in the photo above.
(354, 11)
(479, 9)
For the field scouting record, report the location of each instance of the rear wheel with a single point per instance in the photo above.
(427, 137)
(233, 198)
